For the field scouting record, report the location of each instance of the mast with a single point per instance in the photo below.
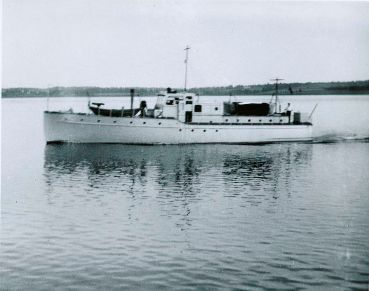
(186, 61)
(276, 93)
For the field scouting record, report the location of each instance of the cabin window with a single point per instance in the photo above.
(188, 102)
(198, 108)
(189, 97)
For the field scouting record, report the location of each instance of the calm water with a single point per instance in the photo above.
(289, 216)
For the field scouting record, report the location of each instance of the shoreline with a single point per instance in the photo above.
(209, 95)
(298, 89)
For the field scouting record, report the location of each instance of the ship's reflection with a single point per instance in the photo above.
(166, 173)
(168, 166)
(176, 177)
(265, 172)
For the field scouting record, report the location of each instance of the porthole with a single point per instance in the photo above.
(216, 108)
(216, 130)
(270, 120)
(131, 122)
(210, 121)
(226, 120)
(192, 130)
(159, 123)
(144, 122)
(204, 130)
(81, 120)
(114, 121)
(180, 129)
(260, 120)
(281, 120)
(238, 120)
(249, 120)
(98, 120)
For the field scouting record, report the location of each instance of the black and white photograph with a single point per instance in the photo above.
(184, 145)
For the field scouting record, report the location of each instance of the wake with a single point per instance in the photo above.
(337, 138)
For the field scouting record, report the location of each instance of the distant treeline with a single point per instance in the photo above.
(354, 87)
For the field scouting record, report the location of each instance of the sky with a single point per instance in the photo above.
(141, 43)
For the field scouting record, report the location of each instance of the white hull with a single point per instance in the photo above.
(82, 128)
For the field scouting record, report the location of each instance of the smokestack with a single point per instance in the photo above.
(132, 91)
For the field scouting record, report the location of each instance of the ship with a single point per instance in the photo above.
(180, 117)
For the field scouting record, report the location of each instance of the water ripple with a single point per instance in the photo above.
(190, 217)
